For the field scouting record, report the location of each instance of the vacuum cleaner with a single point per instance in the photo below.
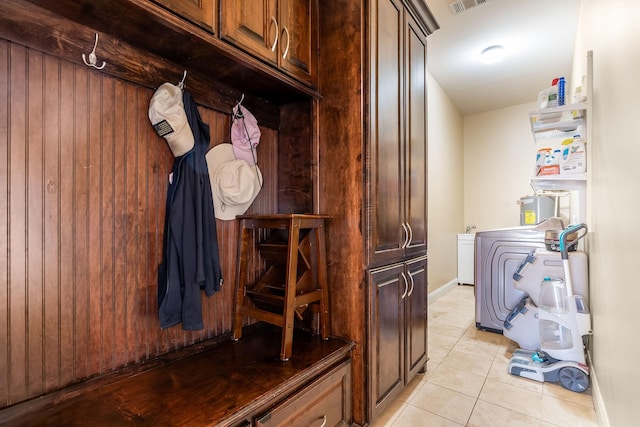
(549, 324)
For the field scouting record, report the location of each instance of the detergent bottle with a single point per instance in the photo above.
(574, 156)
(549, 97)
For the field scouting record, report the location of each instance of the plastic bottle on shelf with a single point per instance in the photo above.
(580, 94)
(574, 156)
(549, 97)
(551, 164)
(561, 90)
(541, 156)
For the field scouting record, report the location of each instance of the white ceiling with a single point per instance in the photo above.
(538, 36)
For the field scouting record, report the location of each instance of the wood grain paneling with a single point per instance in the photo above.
(82, 200)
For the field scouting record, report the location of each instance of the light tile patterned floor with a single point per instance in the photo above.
(467, 383)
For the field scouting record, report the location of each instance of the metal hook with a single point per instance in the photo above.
(93, 60)
(238, 114)
(184, 76)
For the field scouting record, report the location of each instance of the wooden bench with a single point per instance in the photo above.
(221, 383)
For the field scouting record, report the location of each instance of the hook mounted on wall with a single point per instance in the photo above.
(93, 60)
(237, 111)
(181, 84)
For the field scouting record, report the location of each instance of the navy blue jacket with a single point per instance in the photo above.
(190, 261)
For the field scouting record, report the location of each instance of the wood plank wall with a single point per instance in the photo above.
(82, 199)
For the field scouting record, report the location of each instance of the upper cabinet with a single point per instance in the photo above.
(280, 32)
(200, 12)
(397, 173)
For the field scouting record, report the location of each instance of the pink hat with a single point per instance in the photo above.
(245, 135)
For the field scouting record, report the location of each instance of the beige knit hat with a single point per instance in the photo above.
(167, 115)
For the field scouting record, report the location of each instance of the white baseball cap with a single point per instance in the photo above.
(167, 115)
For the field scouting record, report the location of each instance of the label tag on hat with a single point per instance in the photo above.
(163, 128)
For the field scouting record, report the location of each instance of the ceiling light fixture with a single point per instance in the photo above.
(492, 54)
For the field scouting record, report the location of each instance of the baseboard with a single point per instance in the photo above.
(598, 403)
(442, 290)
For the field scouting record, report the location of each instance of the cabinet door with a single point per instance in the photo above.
(386, 155)
(201, 12)
(251, 25)
(298, 42)
(388, 287)
(416, 137)
(416, 304)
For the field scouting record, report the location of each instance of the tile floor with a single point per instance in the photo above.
(467, 383)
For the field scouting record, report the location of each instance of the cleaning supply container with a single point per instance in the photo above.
(541, 155)
(548, 97)
(574, 156)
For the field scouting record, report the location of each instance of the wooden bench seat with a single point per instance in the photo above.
(225, 384)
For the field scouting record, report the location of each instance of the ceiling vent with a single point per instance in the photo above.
(459, 6)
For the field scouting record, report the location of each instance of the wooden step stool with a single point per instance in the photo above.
(296, 274)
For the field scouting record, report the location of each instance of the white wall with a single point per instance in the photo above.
(611, 30)
(499, 159)
(445, 175)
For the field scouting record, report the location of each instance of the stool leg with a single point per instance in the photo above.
(241, 278)
(290, 291)
(325, 326)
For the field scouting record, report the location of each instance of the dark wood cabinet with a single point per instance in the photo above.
(252, 26)
(298, 46)
(397, 202)
(416, 306)
(373, 163)
(280, 32)
(415, 99)
(397, 329)
(398, 134)
(386, 334)
(200, 12)
(388, 232)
